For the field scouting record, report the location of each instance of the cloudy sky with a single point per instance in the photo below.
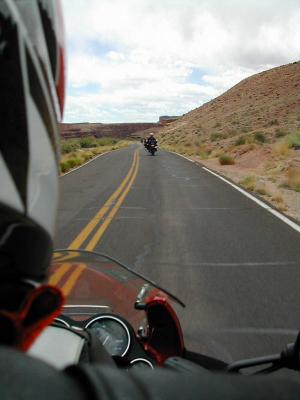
(134, 60)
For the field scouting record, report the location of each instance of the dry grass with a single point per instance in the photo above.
(282, 149)
(293, 178)
(262, 191)
(279, 203)
(188, 149)
(277, 199)
(249, 183)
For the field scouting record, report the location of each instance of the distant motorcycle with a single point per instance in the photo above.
(151, 147)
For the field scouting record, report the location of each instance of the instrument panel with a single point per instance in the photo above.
(116, 335)
(112, 333)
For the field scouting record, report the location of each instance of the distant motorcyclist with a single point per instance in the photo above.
(151, 144)
(151, 140)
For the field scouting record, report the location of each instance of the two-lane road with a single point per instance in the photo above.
(235, 265)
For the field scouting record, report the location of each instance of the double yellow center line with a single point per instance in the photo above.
(95, 229)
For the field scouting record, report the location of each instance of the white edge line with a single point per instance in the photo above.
(84, 164)
(277, 214)
(83, 306)
(180, 155)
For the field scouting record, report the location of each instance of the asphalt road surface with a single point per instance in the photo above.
(234, 264)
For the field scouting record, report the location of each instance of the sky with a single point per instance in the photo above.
(135, 60)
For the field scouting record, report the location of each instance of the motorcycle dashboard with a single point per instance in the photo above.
(115, 334)
(112, 332)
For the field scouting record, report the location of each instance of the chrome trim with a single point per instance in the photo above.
(117, 320)
(84, 305)
(77, 313)
(63, 322)
(136, 360)
(77, 328)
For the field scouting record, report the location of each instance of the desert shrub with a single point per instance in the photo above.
(261, 190)
(69, 145)
(88, 142)
(274, 122)
(87, 156)
(215, 136)
(64, 166)
(280, 133)
(107, 141)
(226, 159)
(240, 141)
(259, 137)
(279, 203)
(277, 199)
(282, 148)
(204, 154)
(71, 163)
(293, 139)
(293, 178)
(74, 162)
(248, 183)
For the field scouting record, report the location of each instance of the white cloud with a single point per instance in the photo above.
(141, 53)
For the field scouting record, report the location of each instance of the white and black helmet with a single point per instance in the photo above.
(31, 104)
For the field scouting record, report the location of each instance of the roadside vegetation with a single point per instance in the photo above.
(293, 139)
(248, 183)
(75, 152)
(188, 149)
(293, 179)
(226, 159)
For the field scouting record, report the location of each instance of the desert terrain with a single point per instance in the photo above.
(250, 134)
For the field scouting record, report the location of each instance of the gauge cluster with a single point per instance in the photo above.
(112, 333)
(117, 336)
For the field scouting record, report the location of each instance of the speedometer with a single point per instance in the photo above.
(112, 332)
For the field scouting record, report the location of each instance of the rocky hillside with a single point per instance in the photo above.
(268, 102)
(251, 134)
(124, 130)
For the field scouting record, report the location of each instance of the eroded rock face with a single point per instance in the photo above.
(101, 130)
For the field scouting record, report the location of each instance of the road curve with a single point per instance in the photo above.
(234, 264)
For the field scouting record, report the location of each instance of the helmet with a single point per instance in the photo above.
(31, 105)
(151, 134)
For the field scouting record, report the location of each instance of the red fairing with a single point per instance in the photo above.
(165, 333)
